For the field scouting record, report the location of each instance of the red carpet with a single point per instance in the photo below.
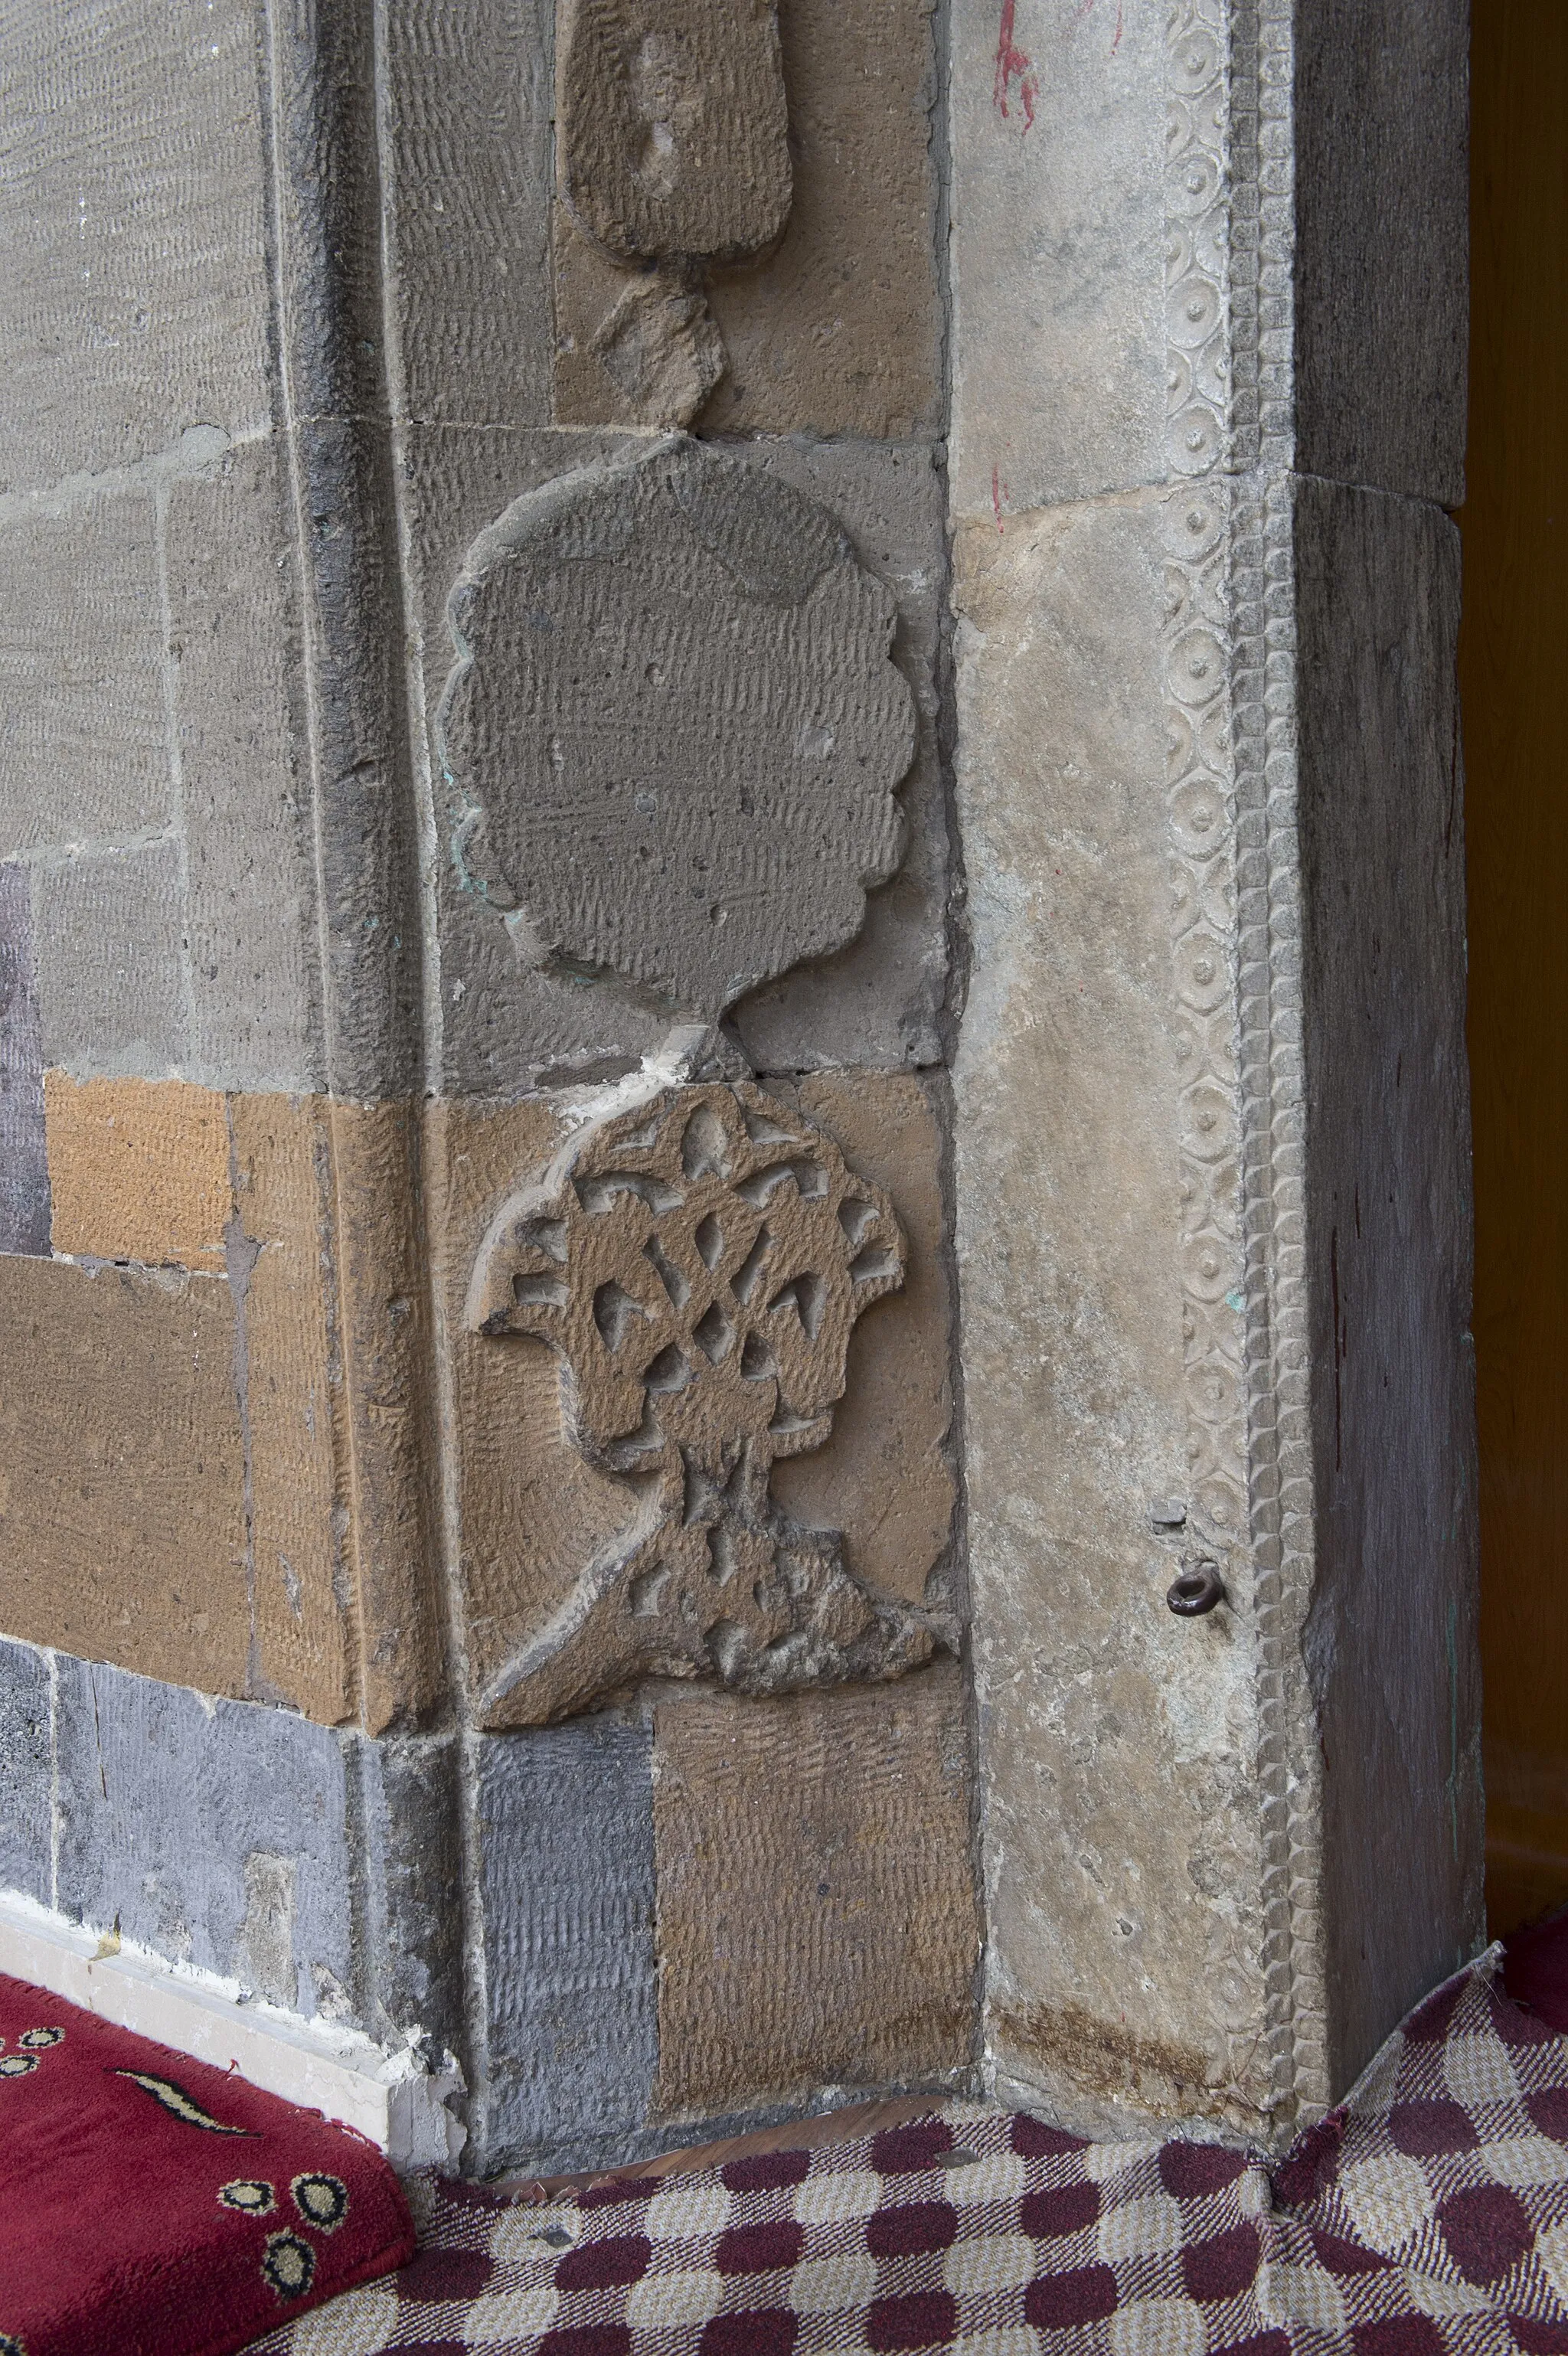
(152, 2206)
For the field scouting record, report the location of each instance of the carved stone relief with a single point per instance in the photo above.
(675, 729)
(671, 126)
(699, 1261)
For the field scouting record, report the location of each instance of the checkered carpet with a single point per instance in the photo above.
(1428, 2215)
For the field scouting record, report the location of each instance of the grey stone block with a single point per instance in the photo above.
(1058, 341)
(245, 784)
(110, 935)
(216, 1833)
(1381, 116)
(566, 1886)
(879, 1000)
(27, 1812)
(470, 91)
(133, 291)
(408, 1802)
(83, 741)
(24, 1157)
(1390, 1639)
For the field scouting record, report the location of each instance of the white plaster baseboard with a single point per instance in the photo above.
(388, 2095)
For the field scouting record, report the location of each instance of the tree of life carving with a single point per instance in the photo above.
(699, 1263)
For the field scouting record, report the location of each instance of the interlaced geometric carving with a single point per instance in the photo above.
(699, 1263)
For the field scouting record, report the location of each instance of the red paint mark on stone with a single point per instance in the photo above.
(1012, 65)
(1117, 44)
(1000, 492)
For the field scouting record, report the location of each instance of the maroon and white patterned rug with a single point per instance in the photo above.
(1427, 2216)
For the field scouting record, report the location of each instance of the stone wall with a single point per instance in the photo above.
(501, 1025)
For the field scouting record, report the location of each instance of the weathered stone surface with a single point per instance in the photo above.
(1389, 1642)
(881, 999)
(24, 1154)
(681, 668)
(122, 1487)
(1059, 130)
(1120, 1816)
(632, 347)
(138, 1171)
(567, 1886)
(699, 1260)
(84, 754)
(1381, 116)
(504, 1024)
(409, 1859)
(468, 98)
(382, 1332)
(245, 794)
(27, 1799)
(133, 216)
(217, 1833)
(112, 975)
(840, 331)
(817, 1919)
(671, 124)
(281, 1265)
(884, 1476)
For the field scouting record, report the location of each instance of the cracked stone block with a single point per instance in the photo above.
(216, 1833)
(26, 1808)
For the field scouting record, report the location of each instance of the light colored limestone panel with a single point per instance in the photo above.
(839, 330)
(138, 1171)
(294, 1408)
(1119, 1817)
(884, 1477)
(133, 217)
(816, 1919)
(113, 961)
(244, 789)
(532, 1510)
(1059, 335)
(83, 755)
(122, 1477)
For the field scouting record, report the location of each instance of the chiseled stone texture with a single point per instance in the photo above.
(839, 330)
(1390, 1640)
(121, 1488)
(83, 755)
(112, 977)
(138, 1171)
(1058, 335)
(243, 766)
(816, 1921)
(566, 1885)
(469, 105)
(215, 1833)
(134, 292)
(877, 1001)
(23, 1152)
(27, 1801)
(673, 728)
(670, 123)
(1380, 117)
(533, 1512)
(886, 1476)
(1120, 1831)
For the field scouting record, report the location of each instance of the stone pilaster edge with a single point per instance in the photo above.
(1229, 672)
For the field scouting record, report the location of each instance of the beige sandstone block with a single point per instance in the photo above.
(122, 1475)
(885, 1477)
(138, 1171)
(815, 1915)
(295, 1406)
